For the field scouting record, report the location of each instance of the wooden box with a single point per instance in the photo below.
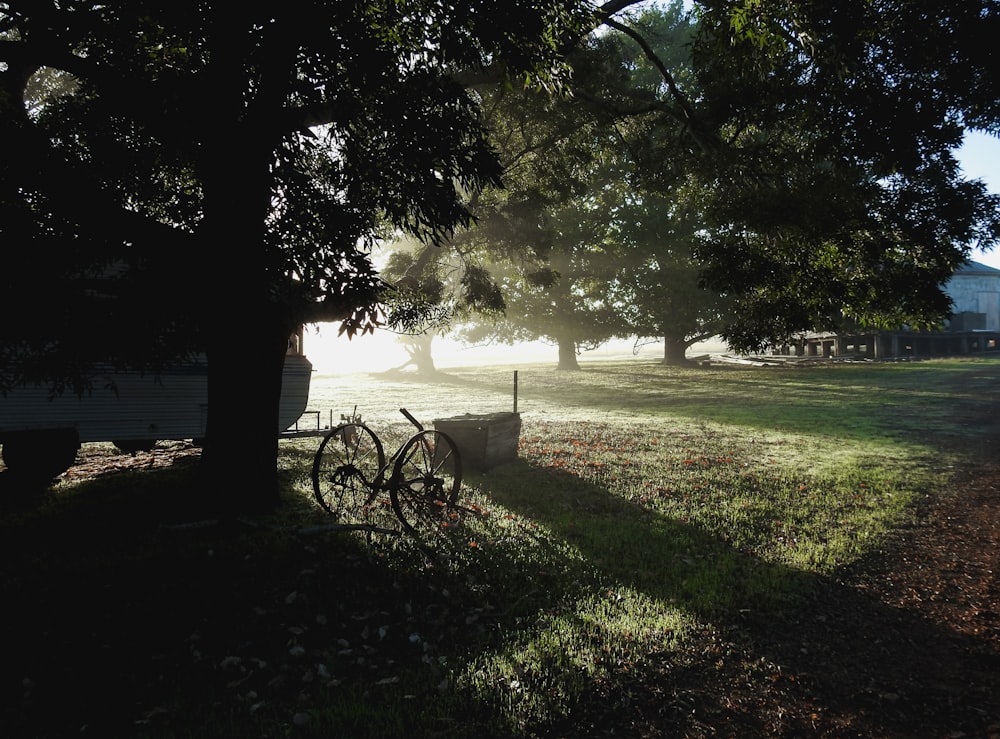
(483, 441)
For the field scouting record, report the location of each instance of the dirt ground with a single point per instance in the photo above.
(907, 644)
(924, 615)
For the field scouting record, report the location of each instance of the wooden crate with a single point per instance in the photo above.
(484, 441)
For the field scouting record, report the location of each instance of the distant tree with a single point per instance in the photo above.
(561, 300)
(605, 250)
(658, 289)
(542, 235)
(545, 236)
(432, 288)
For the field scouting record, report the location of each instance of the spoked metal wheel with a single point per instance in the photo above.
(347, 472)
(425, 482)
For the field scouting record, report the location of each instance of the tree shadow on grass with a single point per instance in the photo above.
(787, 653)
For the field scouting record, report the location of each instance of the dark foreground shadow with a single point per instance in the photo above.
(120, 623)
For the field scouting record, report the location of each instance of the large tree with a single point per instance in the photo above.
(832, 192)
(552, 236)
(587, 239)
(221, 172)
(560, 298)
(812, 147)
(658, 289)
(629, 225)
(547, 242)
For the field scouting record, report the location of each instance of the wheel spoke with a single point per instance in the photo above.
(445, 459)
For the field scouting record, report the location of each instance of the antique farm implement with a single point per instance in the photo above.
(419, 483)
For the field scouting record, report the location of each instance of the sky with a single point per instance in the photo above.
(980, 159)
(330, 354)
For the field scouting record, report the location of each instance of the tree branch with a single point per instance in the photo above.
(615, 6)
(689, 116)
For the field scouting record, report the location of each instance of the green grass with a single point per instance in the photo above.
(648, 504)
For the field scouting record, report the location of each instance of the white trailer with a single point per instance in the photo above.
(41, 434)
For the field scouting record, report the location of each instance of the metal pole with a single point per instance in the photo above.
(515, 391)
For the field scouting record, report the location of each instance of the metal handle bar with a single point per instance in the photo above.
(412, 420)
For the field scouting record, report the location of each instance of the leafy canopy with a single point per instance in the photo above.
(252, 154)
(833, 192)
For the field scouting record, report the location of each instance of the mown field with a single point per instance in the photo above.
(630, 574)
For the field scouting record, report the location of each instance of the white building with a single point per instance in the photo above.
(974, 325)
(975, 291)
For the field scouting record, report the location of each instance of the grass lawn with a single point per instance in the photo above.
(654, 520)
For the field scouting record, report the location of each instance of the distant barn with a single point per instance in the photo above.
(973, 328)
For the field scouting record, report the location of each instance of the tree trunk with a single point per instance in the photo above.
(246, 360)
(247, 341)
(567, 355)
(247, 336)
(673, 352)
(419, 349)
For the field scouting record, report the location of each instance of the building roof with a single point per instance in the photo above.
(977, 268)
